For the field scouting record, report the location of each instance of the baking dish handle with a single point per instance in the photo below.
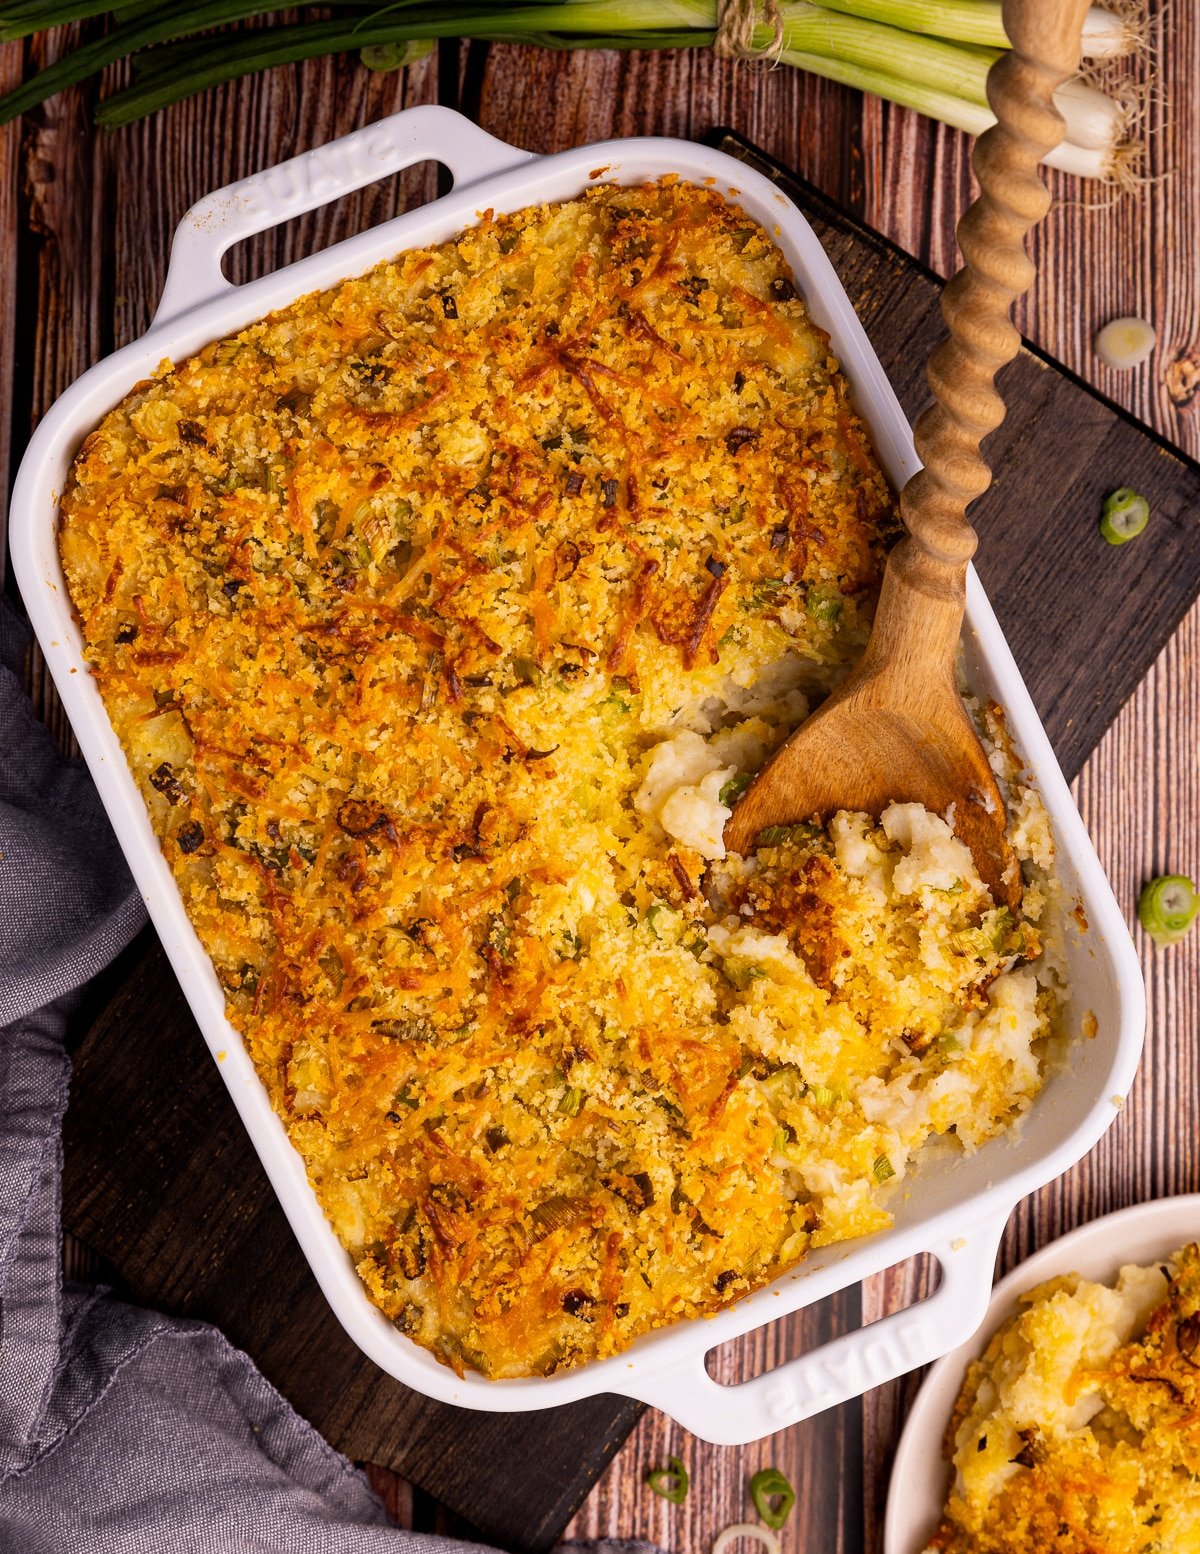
(842, 1369)
(263, 200)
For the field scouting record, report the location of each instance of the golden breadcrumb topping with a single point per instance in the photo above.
(442, 617)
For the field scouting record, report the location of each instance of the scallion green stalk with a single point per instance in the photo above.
(930, 55)
(20, 20)
(967, 21)
(979, 22)
(173, 21)
(807, 29)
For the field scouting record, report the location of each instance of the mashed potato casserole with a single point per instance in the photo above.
(1077, 1432)
(442, 616)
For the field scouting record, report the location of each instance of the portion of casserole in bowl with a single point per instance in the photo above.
(1076, 1431)
(443, 616)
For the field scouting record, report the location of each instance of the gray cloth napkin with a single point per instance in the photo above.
(122, 1431)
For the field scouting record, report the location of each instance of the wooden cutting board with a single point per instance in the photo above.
(160, 1178)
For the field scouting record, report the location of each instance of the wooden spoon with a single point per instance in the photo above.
(897, 728)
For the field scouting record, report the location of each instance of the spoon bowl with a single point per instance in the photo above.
(895, 732)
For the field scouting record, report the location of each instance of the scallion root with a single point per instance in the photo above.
(1115, 30)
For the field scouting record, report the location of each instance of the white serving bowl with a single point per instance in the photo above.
(955, 1206)
(920, 1482)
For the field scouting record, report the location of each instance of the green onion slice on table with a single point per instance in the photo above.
(1124, 515)
(1168, 907)
(670, 1482)
(773, 1497)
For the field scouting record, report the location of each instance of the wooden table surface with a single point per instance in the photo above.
(85, 223)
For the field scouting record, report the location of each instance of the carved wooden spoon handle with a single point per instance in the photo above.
(1045, 36)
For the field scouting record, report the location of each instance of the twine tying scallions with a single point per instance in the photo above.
(737, 21)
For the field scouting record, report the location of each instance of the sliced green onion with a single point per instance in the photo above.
(654, 917)
(1000, 925)
(571, 1102)
(671, 1483)
(745, 1532)
(526, 670)
(1168, 907)
(741, 973)
(883, 1170)
(1124, 515)
(977, 943)
(773, 1497)
(735, 787)
(822, 606)
(1125, 342)
(799, 832)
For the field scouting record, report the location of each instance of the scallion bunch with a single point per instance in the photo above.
(930, 55)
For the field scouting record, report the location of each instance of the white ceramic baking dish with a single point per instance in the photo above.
(954, 1207)
(1147, 1233)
